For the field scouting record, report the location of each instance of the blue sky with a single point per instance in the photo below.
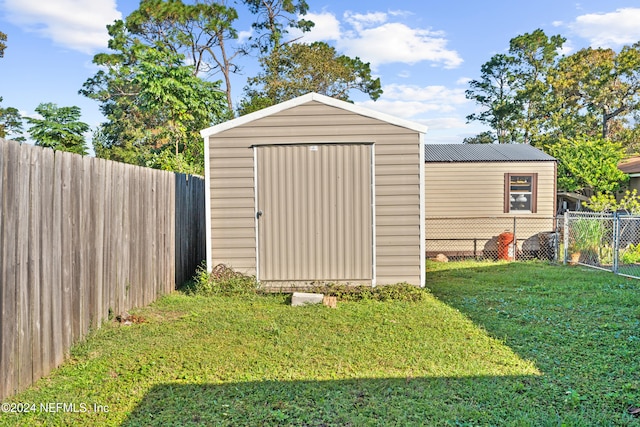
(425, 52)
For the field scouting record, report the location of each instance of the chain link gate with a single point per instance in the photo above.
(607, 241)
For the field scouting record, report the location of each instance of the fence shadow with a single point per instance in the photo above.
(355, 402)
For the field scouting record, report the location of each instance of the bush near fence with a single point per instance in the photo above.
(81, 238)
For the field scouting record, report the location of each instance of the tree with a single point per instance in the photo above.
(3, 45)
(154, 104)
(496, 92)
(601, 83)
(59, 128)
(535, 55)
(513, 88)
(588, 164)
(11, 124)
(200, 31)
(273, 19)
(485, 137)
(296, 69)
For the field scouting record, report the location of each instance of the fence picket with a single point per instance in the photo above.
(81, 238)
(33, 268)
(8, 366)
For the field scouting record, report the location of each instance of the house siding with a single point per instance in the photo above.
(458, 190)
(397, 163)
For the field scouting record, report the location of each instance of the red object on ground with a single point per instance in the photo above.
(505, 246)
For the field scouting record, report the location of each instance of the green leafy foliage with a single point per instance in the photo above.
(586, 235)
(154, 104)
(221, 281)
(599, 82)
(11, 123)
(59, 128)
(482, 138)
(607, 202)
(512, 90)
(588, 164)
(396, 292)
(297, 68)
(3, 45)
(200, 31)
(533, 95)
(273, 20)
(631, 254)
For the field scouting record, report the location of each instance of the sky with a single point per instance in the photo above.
(424, 52)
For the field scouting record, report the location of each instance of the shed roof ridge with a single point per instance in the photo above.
(312, 96)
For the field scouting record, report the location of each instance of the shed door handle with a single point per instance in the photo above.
(258, 214)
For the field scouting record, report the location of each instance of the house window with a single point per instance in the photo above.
(520, 192)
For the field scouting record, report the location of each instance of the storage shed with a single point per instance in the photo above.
(316, 190)
(474, 192)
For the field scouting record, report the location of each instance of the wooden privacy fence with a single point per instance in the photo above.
(82, 239)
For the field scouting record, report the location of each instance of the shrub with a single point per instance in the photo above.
(225, 281)
(397, 292)
(221, 281)
(631, 255)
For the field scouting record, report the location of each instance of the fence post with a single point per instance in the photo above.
(556, 241)
(566, 237)
(616, 241)
(515, 241)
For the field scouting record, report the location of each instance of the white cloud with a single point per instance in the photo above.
(445, 123)
(243, 36)
(76, 24)
(401, 13)
(463, 81)
(567, 48)
(609, 29)
(327, 27)
(374, 39)
(410, 101)
(360, 21)
(429, 94)
(396, 42)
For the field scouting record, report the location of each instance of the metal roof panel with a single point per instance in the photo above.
(484, 153)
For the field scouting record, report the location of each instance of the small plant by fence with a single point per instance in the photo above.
(509, 238)
(81, 238)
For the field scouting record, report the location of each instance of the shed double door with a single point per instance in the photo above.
(315, 214)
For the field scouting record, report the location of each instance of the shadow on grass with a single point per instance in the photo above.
(578, 325)
(357, 402)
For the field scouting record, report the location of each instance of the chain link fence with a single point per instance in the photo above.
(600, 240)
(606, 241)
(493, 238)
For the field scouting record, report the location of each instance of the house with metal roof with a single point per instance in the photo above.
(473, 192)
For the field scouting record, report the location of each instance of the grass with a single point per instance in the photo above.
(494, 344)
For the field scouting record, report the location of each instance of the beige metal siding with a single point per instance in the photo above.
(316, 213)
(477, 189)
(462, 189)
(397, 165)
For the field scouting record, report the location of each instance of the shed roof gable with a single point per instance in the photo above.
(309, 98)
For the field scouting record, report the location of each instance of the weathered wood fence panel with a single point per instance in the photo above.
(82, 239)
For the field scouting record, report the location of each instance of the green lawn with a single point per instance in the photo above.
(494, 344)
